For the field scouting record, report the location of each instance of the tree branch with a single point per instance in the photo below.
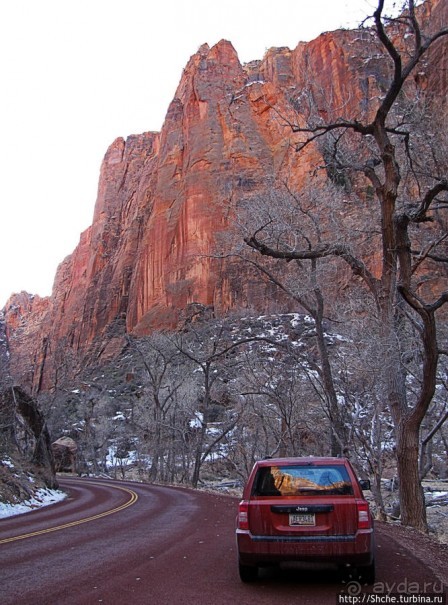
(321, 251)
(420, 215)
(435, 428)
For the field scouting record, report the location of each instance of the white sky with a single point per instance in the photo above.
(76, 74)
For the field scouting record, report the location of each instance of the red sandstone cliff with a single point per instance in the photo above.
(164, 197)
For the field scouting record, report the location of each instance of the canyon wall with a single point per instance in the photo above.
(166, 199)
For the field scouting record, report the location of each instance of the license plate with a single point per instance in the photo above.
(302, 519)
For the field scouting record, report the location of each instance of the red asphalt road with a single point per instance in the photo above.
(153, 545)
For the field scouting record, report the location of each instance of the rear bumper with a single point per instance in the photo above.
(355, 549)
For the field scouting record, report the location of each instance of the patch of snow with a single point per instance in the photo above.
(43, 497)
(255, 82)
(196, 422)
(112, 460)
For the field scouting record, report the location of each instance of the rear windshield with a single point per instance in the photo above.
(302, 480)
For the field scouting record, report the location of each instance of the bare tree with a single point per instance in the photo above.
(163, 377)
(210, 348)
(283, 409)
(386, 146)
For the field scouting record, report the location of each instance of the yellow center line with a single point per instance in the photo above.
(133, 499)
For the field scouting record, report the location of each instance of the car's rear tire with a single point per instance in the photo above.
(248, 573)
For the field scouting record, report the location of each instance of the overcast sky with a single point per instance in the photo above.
(76, 74)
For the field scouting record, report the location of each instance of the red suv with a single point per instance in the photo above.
(306, 510)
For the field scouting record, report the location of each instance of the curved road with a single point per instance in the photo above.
(121, 543)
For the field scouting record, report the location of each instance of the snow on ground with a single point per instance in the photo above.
(42, 497)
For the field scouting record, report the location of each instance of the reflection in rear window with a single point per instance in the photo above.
(302, 480)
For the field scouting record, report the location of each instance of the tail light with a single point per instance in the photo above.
(363, 514)
(243, 515)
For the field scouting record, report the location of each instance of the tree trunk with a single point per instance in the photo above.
(406, 423)
(412, 501)
(197, 464)
(338, 434)
(283, 449)
(378, 497)
(199, 453)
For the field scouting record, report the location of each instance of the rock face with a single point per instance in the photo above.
(165, 198)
